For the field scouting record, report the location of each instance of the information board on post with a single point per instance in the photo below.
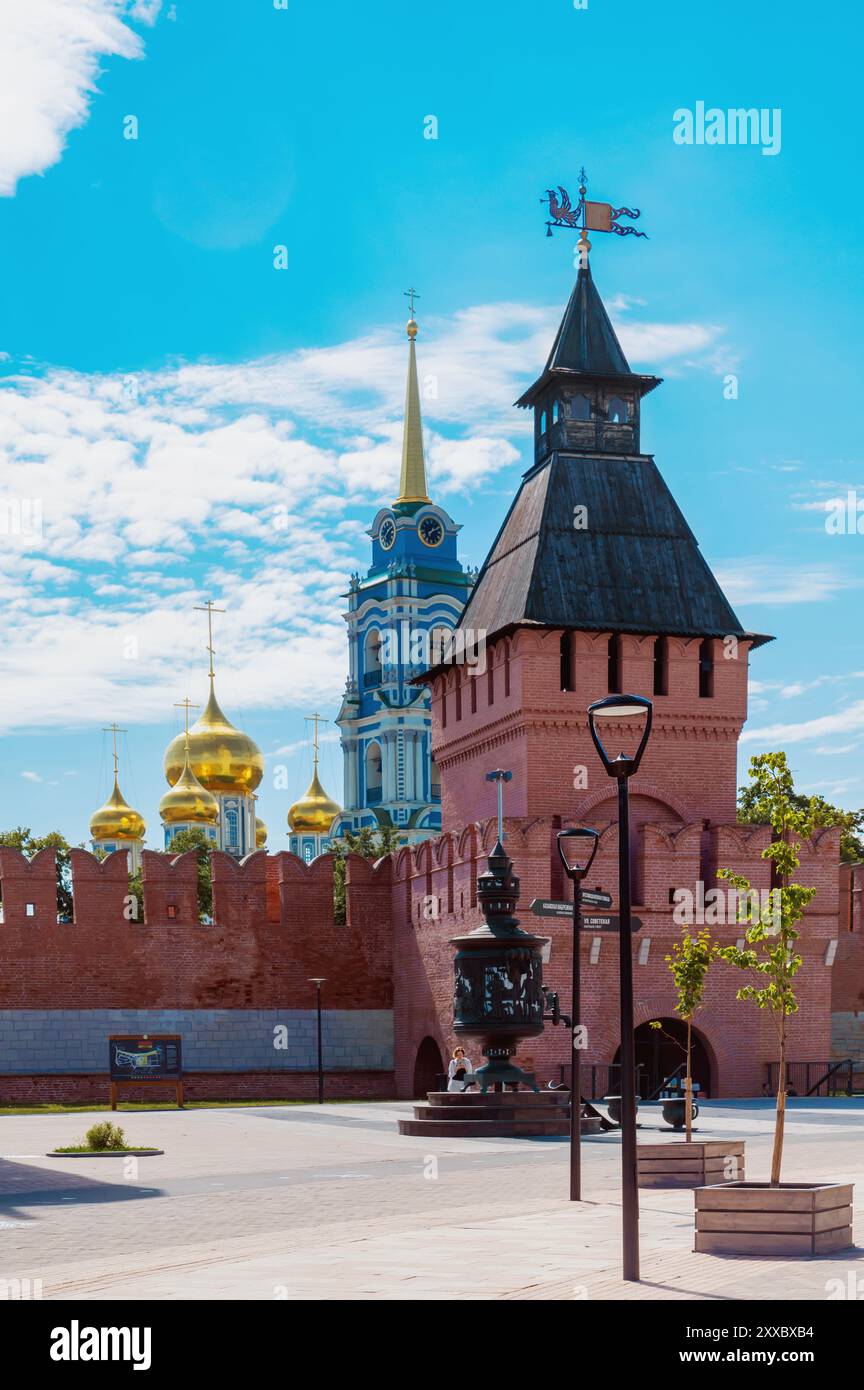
(143, 1058)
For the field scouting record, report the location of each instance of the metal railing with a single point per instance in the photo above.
(813, 1078)
(604, 1079)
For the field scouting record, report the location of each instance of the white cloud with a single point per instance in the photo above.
(50, 52)
(848, 720)
(32, 777)
(754, 580)
(253, 482)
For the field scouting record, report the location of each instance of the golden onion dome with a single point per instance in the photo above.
(314, 813)
(223, 758)
(116, 820)
(260, 833)
(188, 800)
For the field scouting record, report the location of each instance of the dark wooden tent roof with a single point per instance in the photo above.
(586, 344)
(636, 567)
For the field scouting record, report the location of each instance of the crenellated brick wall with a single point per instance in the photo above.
(227, 984)
(272, 930)
(432, 902)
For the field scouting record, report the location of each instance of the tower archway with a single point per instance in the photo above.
(659, 1051)
(428, 1066)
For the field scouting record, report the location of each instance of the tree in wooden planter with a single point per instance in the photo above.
(689, 963)
(771, 920)
(797, 1218)
(689, 1164)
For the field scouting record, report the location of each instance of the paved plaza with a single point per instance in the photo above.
(329, 1202)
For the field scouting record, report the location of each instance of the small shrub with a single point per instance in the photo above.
(105, 1135)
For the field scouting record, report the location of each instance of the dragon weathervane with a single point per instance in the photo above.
(587, 217)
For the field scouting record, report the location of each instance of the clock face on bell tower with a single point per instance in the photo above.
(431, 531)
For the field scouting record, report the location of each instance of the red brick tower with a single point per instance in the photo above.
(595, 583)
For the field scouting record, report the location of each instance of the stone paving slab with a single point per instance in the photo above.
(330, 1203)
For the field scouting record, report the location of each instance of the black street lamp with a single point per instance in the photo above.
(577, 848)
(632, 713)
(318, 981)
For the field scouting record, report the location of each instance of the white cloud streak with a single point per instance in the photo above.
(50, 52)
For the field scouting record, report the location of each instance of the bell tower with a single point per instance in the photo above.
(399, 614)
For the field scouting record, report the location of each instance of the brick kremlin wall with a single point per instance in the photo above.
(515, 715)
(225, 987)
(65, 986)
(438, 876)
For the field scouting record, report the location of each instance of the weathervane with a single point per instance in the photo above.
(587, 217)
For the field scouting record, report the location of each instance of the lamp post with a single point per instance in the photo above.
(576, 848)
(634, 713)
(318, 981)
(500, 776)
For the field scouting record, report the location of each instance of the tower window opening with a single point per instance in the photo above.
(614, 681)
(373, 763)
(435, 785)
(619, 411)
(567, 661)
(706, 668)
(542, 421)
(555, 412)
(372, 658)
(661, 666)
(30, 910)
(473, 694)
(506, 669)
(580, 408)
(458, 694)
(490, 679)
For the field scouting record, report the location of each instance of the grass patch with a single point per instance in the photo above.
(138, 1106)
(115, 1149)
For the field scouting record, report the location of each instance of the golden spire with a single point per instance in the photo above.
(412, 480)
(315, 812)
(116, 820)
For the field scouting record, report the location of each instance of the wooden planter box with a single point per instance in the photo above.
(751, 1218)
(678, 1164)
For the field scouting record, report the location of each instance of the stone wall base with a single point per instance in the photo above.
(83, 1088)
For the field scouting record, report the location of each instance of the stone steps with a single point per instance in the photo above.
(506, 1114)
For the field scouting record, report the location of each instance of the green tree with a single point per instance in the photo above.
(368, 842)
(689, 963)
(752, 810)
(770, 956)
(23, 839)
(196, 839)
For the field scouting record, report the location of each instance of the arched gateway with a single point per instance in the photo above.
(429, 1065)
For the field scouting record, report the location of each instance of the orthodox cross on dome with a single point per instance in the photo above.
(186, 704)
(587, 216)
(315, 719)
(114, 730)
(210, 608)
(411, 295)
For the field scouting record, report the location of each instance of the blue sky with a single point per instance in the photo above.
(195, 422)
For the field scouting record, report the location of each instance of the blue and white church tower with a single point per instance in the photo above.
(410, 599)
